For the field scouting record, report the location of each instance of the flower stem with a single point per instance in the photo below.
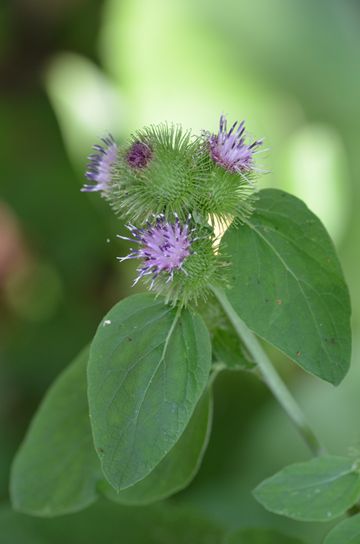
(270, 376)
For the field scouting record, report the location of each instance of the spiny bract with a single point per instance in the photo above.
(156, 174)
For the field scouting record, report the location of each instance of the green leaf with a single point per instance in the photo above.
(148, 368)
(288, 284)
(52, 475)
(260, 536)
(177, 468)
(56, 469)
(319, 490)
(347, 532)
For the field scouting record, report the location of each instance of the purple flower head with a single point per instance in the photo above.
(101, 164)
(163, 246)
(139, 155)
(228, 147)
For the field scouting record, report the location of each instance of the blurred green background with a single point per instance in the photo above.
(72, 70)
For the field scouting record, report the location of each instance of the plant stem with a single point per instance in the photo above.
(270, 376)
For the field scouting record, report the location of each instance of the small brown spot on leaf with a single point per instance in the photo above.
(278, 301)
(298, 353)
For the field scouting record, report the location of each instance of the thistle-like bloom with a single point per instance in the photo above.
(139, 155)
(163, 247)
(99, 169)
(229, 150)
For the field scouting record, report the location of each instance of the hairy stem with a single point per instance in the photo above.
(269, 374)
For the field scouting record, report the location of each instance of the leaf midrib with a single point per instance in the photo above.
(135, 419)
(325, 481)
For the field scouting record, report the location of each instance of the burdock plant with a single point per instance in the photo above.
(222, 264)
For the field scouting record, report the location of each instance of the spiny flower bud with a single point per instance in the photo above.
(100, 168)
(178, 258)
(156, 174)
(163, 247)
(227, 190)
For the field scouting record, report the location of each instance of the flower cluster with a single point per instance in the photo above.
(175, 188)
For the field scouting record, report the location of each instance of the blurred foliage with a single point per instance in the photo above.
(107, 522)
(70, 70)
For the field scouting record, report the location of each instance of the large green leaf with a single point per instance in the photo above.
(319, 490)
(288, 285)
(56, 469)
(260, 536)
(149, 365)
(177, 468)
(347, 532)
